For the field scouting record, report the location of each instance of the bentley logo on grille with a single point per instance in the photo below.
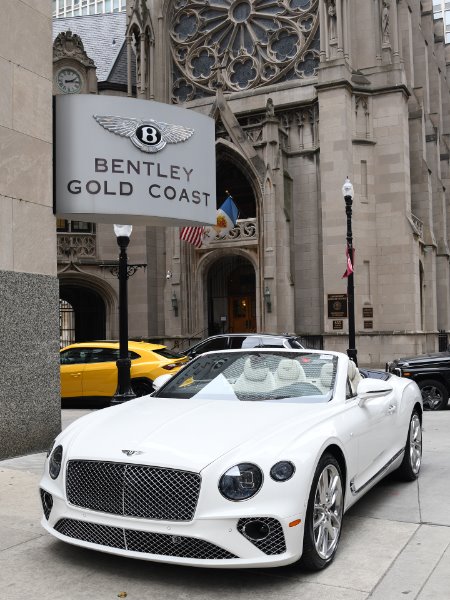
(132, 452)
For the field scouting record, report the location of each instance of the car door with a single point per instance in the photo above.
(376, 432)
(100, 375)
(72, 366)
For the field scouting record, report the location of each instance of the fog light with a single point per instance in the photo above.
(282, 471)
(256, 530)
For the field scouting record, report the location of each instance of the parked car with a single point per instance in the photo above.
(431, 372)
(239, 460)
(88, 370)
(236, 341)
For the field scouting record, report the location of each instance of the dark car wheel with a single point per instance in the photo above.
(412, 460)
(141, 387)
(324, 515)
(434, 394)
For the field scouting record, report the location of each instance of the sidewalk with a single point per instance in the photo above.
(395, 546)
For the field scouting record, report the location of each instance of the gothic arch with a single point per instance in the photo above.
(86, 282)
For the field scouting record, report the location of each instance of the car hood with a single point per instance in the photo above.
(188, 434)
(424, 358)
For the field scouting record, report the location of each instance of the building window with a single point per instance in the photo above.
(65, 226)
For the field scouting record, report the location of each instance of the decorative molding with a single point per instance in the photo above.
(72, 246)
(69, 45)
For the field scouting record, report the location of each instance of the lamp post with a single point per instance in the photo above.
(347, 192)
(124, 391)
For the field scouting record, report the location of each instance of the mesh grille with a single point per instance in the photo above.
(274, 543)
(141, 541)
(133, 490)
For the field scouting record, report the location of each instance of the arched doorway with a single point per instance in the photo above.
(231, 286)
(88, 319)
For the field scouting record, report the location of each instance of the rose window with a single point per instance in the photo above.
(244, 44)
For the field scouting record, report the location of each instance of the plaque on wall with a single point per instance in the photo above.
(368, 324)
(337, 306)
(338, 324)
(368, 312)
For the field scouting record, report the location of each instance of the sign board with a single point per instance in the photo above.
(337, 306)
(123, 160)
(338, 324)
(368, 324)
(368, 312)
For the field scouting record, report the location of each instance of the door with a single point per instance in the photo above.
(73, 363)
(100, 374)
(241, 314)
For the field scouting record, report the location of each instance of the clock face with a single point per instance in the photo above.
(69, 81)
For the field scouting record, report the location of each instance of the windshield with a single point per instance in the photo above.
(256, 376)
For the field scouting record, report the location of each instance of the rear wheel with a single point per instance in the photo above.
(412, 460)
(434, 394)
(141, 387)
(324, 515)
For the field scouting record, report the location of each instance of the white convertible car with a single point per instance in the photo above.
(245, 458)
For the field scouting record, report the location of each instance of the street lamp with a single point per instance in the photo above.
(347, 192)
(124, 391)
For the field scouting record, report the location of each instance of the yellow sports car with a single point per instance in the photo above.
(88, 370)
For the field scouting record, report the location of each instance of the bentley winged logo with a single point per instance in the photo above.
(132, 452)
(146, 134)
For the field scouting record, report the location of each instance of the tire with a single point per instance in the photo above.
(141, 387)
(324, 515)
(412, 460)
(434, 394)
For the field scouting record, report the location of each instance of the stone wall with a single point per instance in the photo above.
(29, 374)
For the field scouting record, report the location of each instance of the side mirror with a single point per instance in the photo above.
(372, 388)
(160, 381)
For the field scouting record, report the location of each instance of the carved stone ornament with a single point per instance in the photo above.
(243, 43)
(69, 45)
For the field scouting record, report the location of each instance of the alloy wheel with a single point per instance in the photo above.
(415, 443)
(431, 397)
(328, 509)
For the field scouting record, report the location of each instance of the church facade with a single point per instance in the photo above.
(304, 93)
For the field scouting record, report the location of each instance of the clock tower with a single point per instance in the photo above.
(73, 71)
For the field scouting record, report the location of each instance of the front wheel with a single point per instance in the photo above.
(434, 394)
(412, 459)
(323, 516)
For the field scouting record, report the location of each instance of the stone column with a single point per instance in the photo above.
(129, 53)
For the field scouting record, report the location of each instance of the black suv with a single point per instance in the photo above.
(431, 372)
(236, 341)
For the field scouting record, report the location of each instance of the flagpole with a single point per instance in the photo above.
(347, 191)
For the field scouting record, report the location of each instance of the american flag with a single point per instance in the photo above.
(192, 235)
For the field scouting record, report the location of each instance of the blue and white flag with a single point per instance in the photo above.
(226, 218)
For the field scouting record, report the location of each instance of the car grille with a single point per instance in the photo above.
(133, 490)
(274, 543)
(141, 541)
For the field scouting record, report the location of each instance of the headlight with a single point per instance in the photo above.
(54, 464)
(241, 482)
(282, 471)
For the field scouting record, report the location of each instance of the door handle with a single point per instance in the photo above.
(75, 374)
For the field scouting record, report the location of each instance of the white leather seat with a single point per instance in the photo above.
(326, 377)
(256, 377)
(354, 375)
(289, 371)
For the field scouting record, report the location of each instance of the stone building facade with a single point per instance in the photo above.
(304, 93)
(29, 373)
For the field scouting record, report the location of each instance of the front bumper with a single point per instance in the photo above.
(216, 541)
